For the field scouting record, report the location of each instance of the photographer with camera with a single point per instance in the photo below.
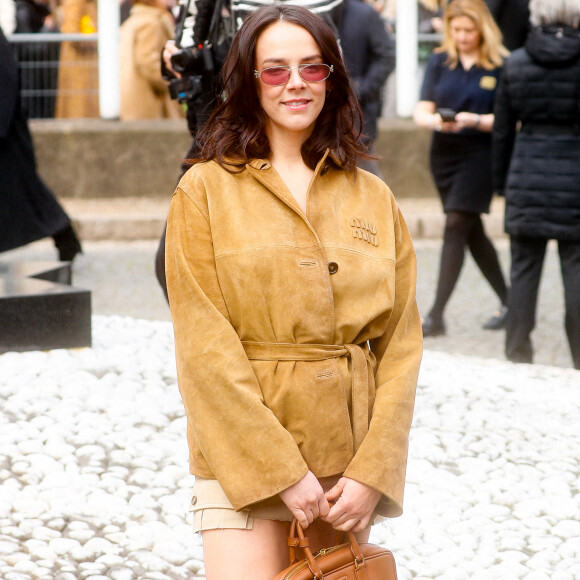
(193, 71)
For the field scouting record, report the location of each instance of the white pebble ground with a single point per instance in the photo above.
(94, 482)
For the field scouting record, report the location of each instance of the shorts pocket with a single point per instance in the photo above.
(212, 510)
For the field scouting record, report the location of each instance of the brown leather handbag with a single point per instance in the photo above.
(349, 561)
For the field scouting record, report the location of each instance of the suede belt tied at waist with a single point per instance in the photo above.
(278, 351)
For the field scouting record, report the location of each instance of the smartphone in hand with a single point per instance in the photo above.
(447, 115)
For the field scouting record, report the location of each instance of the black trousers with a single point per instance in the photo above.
(527, 259)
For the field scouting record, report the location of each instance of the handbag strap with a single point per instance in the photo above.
(297, 535)
(296, 542)
(299, 539)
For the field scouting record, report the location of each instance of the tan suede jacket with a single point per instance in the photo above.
(298, 339)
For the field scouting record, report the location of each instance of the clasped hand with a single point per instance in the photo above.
(353, 503)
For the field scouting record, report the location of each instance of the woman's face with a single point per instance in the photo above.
(465, 34)
(292, 107)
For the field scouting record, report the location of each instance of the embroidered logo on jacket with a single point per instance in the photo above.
(364, 230)
(488, 83)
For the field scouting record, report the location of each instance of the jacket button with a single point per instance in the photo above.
(333, 267)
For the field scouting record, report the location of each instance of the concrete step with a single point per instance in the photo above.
(132, 218)
(118, 219)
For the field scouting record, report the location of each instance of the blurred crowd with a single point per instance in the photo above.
(60, 79)
(507, 122)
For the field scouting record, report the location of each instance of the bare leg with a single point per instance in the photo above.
(260, 553)
(256, 554)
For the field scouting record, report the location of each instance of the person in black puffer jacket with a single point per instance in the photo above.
(538, 167)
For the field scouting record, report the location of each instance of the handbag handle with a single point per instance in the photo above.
(298, 539)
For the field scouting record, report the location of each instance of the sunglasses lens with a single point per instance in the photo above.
(275, 75)
(315, 72)
(280, 75)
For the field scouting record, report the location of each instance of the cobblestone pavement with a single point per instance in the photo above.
(93, 472)
(121, 278)
(94, 482)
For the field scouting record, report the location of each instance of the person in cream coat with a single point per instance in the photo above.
(144, 93)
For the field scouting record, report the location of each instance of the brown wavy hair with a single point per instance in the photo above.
(235, 133)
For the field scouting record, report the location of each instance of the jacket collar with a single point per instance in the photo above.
(262, 170)
(262, 164)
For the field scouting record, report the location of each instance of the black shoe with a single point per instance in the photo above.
(498, 320)
(67, 244)
(432, 327)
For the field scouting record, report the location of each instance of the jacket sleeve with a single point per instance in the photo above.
(381, 58)
(149, 40)
(504, 133)
(245, 446)
(381, 460)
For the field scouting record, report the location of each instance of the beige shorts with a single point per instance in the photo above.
(212, 509)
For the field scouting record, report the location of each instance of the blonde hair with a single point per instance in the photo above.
(491, 49)
(548, 12)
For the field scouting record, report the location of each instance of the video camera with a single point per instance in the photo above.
(198, 62)
(195, 64)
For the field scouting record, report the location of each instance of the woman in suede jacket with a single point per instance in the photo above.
(291, 279)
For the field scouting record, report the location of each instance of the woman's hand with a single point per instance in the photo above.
(466, 120)
(353, 507)
(306, 500)
(170, 49)
(425, 116)
(463, 120)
